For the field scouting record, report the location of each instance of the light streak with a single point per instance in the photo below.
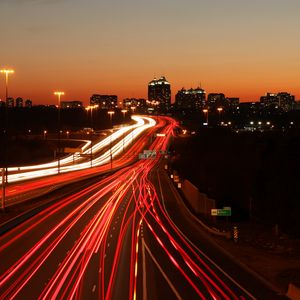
(128, 192)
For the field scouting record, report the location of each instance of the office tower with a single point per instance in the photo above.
(159, 91)
(104, 101)
(10, 102)
(28, 103)
(19, 102)
(135, 105)
(215, 100)
(192, 99)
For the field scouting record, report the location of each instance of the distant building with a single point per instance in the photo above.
(10, 102)
(104, 101)
(138, 105)
(28, 103)
(71, 104)
(250, 108)
(297, 105)
(286, 101)
(192, 99)
(233, 103)
(282, 100)
(19, 102)
(215, 100)
(159, 90)
(2, 103)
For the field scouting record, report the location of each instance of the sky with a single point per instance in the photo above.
(239, 47)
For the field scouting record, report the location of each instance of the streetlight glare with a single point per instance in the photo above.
(7, 71)
(59, 93)
(4, 169)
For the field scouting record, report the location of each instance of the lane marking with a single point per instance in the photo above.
(94, 288)
(162, 272)
(144, 271)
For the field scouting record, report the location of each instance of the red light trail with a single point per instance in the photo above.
(97, 234)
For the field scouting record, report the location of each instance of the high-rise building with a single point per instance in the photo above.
(71, 104)
(10, 102)
(282, 100)
(233, 102)
(286, 101)
(135, 105)
(19, 102)
(159, 90)
(215, 100)
(192, 99)
(28, 103)
(104, 101)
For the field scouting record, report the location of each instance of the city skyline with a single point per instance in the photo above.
(237, 48)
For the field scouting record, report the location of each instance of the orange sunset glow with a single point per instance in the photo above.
(238, 48)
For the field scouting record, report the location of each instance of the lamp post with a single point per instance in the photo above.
(59, 94)
(92, 107)
(7, 72)
(133, 108)
(220, 109)
(205, 111)
(110, 113)
(124, 111)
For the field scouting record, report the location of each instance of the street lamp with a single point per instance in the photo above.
(133, 108)
(45, 132)
(110, 113)
(220, 109)
(124, 111)
(205, 111)
(59, 94)
(91, 108)
(7, 72)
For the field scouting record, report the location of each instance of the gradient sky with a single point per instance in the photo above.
(242, 48)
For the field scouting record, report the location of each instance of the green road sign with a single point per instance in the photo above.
(223, 212)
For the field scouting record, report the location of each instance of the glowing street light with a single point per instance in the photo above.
(58, 94)
(7, 72)
(45, 132)
(124, 111)
(220, 109)
(91, 108)
(205, 111)
(110, 113)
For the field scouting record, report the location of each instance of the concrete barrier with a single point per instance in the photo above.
(199, 202)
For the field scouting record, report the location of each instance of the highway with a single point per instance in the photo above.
(118, 150)
(126, 236)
